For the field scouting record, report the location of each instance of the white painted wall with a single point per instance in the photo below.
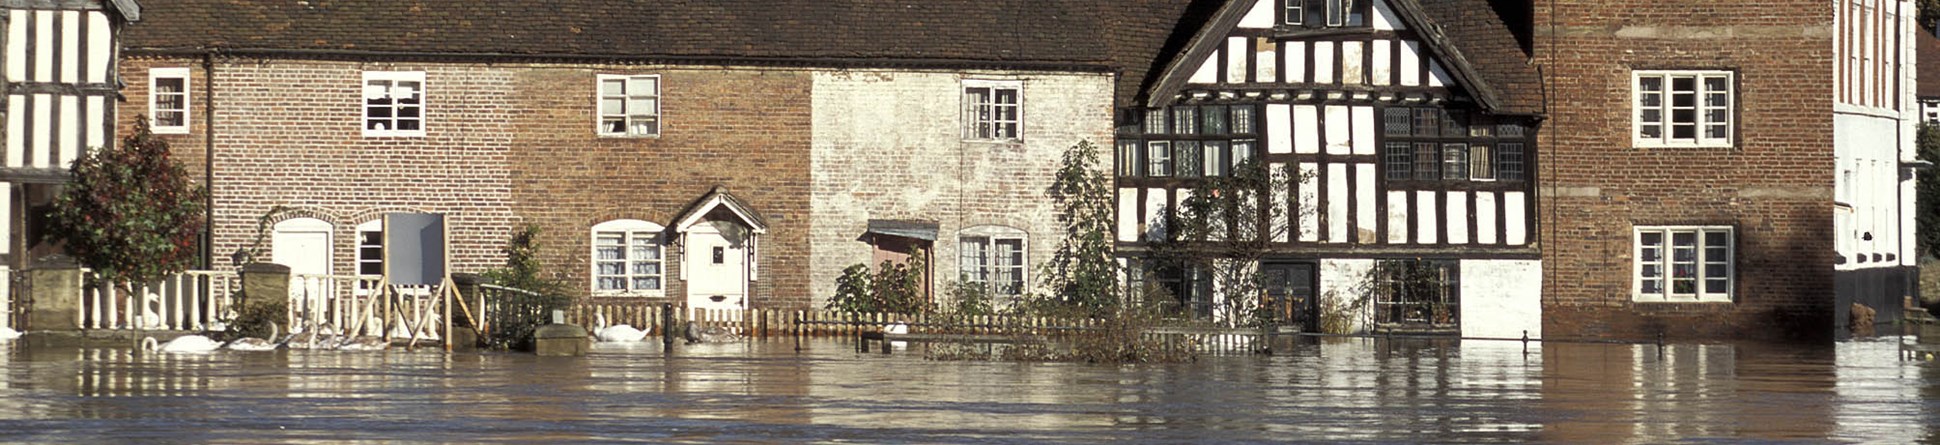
(1341, 282)
(1867, 155)
(1502, 298)
(888, 145)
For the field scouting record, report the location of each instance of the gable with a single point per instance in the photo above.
(1381, 50)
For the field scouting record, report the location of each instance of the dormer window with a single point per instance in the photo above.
(1294, 12)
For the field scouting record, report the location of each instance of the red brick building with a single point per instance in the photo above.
(1723, 168)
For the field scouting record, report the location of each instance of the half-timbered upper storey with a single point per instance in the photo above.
(1409, 125)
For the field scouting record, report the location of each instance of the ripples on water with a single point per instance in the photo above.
(1332, 390)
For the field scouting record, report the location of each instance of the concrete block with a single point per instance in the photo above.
(561, 340)
(54, 302)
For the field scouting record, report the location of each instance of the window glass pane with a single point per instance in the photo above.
(1481, 165)
(612, 87)
(1454, 124)
(1509, 161)
(646, 268)
(612, 267)
(612, 106)
(1215, 159)
(1243, 120)
(612, 283)
(640, 106)
(1155, 121)
(646, 125)
(1159, 153)
(1427, 121)
(1127, 159)
(1397, 122)
(408, 125)
(1242, 152)
(1007, 96)
(613, 125)
(1427, 161)
(1400, 157)
(1214, 119)
(1188, 153)
(1185, 120)
(1455, 161)
(642, 86)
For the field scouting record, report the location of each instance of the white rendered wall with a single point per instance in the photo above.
(1341, 285)
(1502, 298)
(889, 145)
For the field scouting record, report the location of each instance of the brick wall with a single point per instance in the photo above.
(505, 145)
(1774, 185)
(746, 129)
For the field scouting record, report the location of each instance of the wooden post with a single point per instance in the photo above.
(667, 330)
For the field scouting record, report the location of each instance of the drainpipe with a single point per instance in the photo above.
(208, 160)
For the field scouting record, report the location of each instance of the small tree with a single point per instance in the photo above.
(1227, 226)
(894, 287)
(1082, 274)
(130, 213)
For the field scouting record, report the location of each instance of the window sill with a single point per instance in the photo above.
(626, 136)
(611, 294)
(995, 141)
(1709, 145)
(1706, 300)
(169, 130)
(419, 134)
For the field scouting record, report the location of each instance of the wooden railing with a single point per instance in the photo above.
(762, 323)
(190, 301)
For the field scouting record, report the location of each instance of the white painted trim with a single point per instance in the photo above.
(631, 228)
(1666, 140)
(626, 98)
(424, 102)
(188, 99)
(969, 123)
(700, 212)
(1700, 296)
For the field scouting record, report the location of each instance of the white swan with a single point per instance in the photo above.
(364, 344)
(616, 333)
(250, 344)
(186, 343)
(8, 334)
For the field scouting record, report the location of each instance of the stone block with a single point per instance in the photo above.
(55, 298)
(266, 283)
(561, 340)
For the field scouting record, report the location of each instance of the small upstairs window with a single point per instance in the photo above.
(168, 100)
(393, 103)
(629, 105)
(1293, 12)
(992, 110)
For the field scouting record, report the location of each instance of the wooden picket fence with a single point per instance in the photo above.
(765, 323)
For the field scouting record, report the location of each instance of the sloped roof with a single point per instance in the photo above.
(1471, 37)
(997, 32)
(1145, 35)
(1476, 31)
(1928, 58)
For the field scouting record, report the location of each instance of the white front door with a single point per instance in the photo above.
(716, 270)
(303, 244)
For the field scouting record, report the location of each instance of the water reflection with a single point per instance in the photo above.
(1329, 390)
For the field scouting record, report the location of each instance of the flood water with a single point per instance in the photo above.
(1329, 390)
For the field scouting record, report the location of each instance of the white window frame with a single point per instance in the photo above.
(1293, 12)
(973, 121)
(392, 78)
(631, 230)
(627, 114)
(155, 75)
(988, 237)
(1665, 261)
(1665, 109)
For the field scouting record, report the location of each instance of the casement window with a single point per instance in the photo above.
(1159, 154)
(1188, 155)
(1293, 12)
(629, 106)
(992, 110)
(1400, 159)
(1129, 164)
(1455, 161)
(394, 103)
(168, 100)
(1683, 263)
(1199, 140)
(628, 259)
(1509, 166)
(1481, 162)
(1417, 292)
(1341, 12)
(993, 257)
(1433, 144)
(1682, 108)
(1427, 162)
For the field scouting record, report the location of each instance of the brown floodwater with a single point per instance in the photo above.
(1329, 390)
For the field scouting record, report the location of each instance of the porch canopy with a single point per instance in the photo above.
(912, 229)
